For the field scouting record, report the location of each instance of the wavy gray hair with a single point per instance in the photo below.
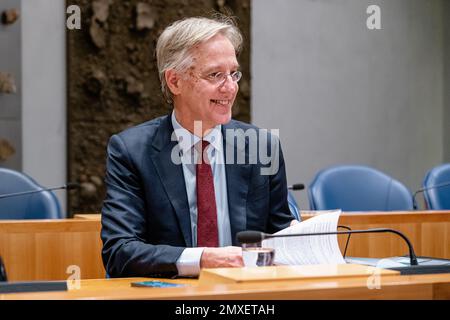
(174, 44)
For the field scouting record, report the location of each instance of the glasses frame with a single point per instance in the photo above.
(219, 78)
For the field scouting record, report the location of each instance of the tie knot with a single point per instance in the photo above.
(203, 158)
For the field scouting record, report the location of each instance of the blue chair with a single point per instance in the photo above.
(437, 193)
(357, 188)
(293, 206)
(40, 205)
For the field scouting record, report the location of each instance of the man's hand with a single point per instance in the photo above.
(226, 257)
(293, 222)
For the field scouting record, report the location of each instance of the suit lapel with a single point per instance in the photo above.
(238, 176)
(171, 176)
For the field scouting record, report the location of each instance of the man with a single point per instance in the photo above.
(180, 187)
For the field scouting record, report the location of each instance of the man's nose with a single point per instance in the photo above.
(228, 84)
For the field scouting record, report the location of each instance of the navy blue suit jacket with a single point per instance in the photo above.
(145, 217)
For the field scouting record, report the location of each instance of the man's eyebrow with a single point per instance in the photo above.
(216, 67)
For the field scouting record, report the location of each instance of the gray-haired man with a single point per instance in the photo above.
(175, 198)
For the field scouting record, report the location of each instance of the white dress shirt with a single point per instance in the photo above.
(188, 264)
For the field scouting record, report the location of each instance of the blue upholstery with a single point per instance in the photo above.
(41, 205)
(437, 198)
(293, 206)
(357, 188)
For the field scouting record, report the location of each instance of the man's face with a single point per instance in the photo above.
(199, 98)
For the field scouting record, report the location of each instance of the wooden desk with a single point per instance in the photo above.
(391, 287)
(87, 216)
(44, 249)
(428, 231)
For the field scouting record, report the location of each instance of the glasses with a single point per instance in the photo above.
(218, 78)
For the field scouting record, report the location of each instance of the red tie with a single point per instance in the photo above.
(207, 235)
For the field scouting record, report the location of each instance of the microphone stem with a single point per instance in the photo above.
(412, 255)
(11, 195)
(414, 198)
(439, 185)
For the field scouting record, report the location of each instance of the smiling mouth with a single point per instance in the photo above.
(223, 103)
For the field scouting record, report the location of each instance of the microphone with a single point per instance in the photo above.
(348, 238)
(436, 186)
(257, 236)
(296, 186)
(68, 186)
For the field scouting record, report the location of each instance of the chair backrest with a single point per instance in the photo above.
(293, 206)
(40, 205)
(357, 188)
(437, 198)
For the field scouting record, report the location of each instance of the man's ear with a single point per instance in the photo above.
(173, 81)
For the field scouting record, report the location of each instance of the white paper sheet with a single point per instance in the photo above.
(308, 249)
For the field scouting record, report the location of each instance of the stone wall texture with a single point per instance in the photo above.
(113, 81)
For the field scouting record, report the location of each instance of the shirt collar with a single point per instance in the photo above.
(186, 139)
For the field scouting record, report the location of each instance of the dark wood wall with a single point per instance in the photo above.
(113, 80)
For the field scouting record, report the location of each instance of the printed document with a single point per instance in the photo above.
(308, 249)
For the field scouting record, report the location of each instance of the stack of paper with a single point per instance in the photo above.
(308, 249)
